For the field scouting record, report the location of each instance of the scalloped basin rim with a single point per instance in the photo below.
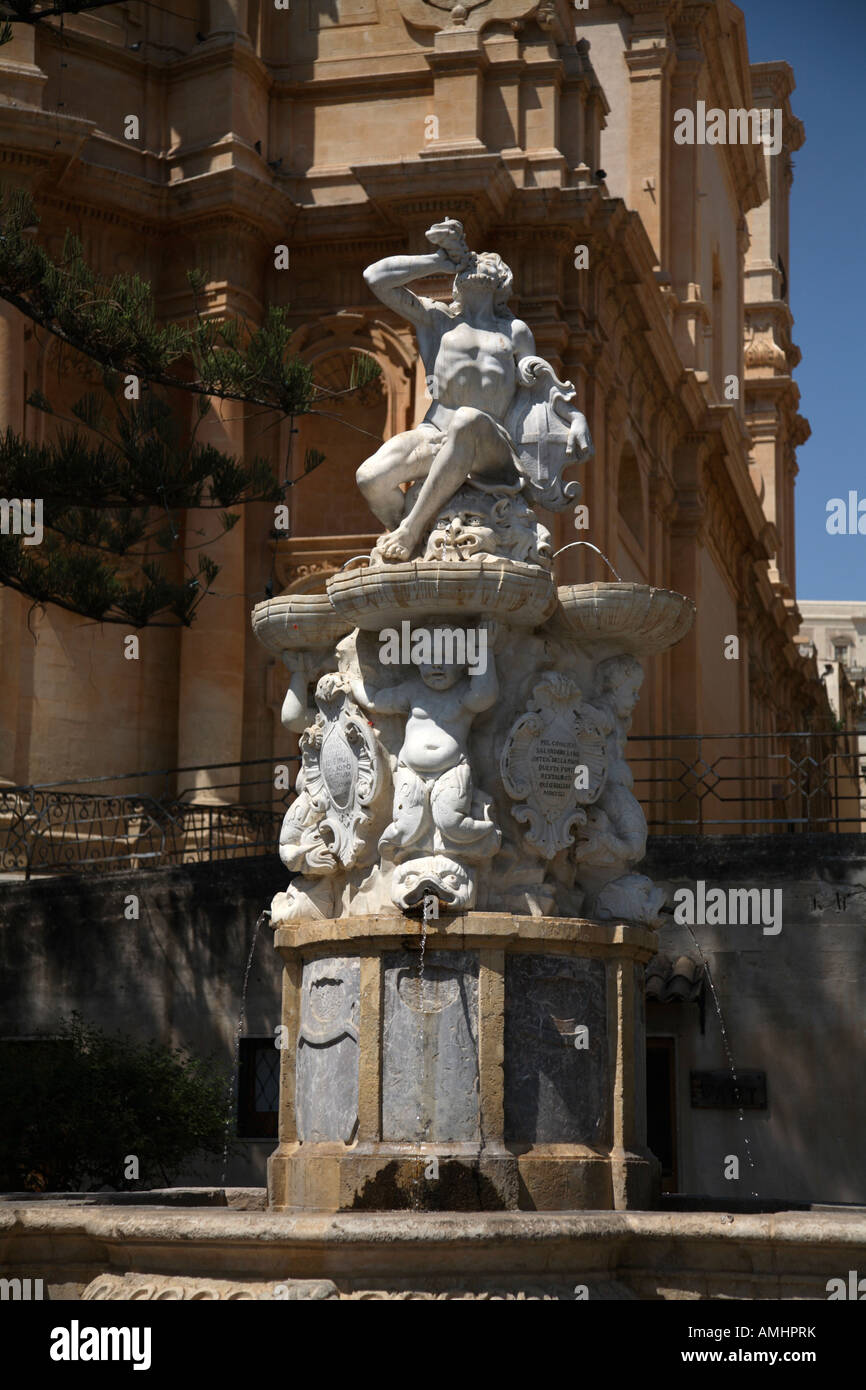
(298, 621)
(522, 595)
(639, 617)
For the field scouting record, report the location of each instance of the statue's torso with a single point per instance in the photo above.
(435, 737)
(471, 367)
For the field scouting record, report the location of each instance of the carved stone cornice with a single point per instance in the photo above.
(775, 82)
(473, 187)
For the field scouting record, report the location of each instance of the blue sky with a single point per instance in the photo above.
(824, 43)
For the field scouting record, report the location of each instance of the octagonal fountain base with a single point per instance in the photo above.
(496, 1073)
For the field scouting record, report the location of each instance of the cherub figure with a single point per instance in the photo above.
(435, 808)
(614, 837)
(615, 833)
(482, 374)
(300, 845)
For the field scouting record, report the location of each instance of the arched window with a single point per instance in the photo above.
(351, 428)
(630, 495)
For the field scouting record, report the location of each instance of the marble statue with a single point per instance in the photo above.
(436, 810)
(500, 785)
(499, 417)
(614, 836)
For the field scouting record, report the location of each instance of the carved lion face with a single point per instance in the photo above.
(433, 875)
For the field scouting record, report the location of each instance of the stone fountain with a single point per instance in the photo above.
(465, 933)
(465, 930)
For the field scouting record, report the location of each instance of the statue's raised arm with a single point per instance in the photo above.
(388, 278)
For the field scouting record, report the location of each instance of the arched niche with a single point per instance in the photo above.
(347, 429)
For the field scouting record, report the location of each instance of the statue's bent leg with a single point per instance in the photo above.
(400, 460)
(472, 442)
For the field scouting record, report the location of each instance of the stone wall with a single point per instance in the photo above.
(792, 1005)
(791, 1001)
(175, 974)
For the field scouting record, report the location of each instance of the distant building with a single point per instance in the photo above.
(835, 632)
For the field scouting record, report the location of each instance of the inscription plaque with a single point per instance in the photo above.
(545, 747)
(717, 1090)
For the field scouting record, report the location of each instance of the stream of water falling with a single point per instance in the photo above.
(728, 1053)
(592, 547)
(233, 1081)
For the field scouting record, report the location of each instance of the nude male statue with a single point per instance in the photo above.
(477, 358)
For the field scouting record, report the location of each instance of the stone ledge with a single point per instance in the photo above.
(469, 929)
(655, 1255)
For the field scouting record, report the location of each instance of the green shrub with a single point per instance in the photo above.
(75, 1104)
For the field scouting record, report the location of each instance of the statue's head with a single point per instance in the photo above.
(484, 277)
(620, 679)
(440, 675)
(466, 526)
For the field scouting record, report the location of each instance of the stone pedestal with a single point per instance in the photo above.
(496, 1075)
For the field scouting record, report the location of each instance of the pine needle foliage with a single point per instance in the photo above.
(117, 474)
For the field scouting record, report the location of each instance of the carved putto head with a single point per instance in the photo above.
(440, 676)
(619, 679)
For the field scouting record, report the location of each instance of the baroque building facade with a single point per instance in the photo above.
(653, 275)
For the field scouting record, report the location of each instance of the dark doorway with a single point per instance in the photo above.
(661, 1104)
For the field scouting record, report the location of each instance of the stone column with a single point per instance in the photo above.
(227, 17)
(684, 206)
(23, 81)
(544, 77)
(686, 547)
(648, 58)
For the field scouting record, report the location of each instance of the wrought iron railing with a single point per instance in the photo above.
(686, 783)
(748, 783)
(94, 825)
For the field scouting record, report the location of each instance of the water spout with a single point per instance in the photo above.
(592, 547)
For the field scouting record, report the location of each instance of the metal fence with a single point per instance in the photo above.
(94, 825)
(686, 783)
(751, 783)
